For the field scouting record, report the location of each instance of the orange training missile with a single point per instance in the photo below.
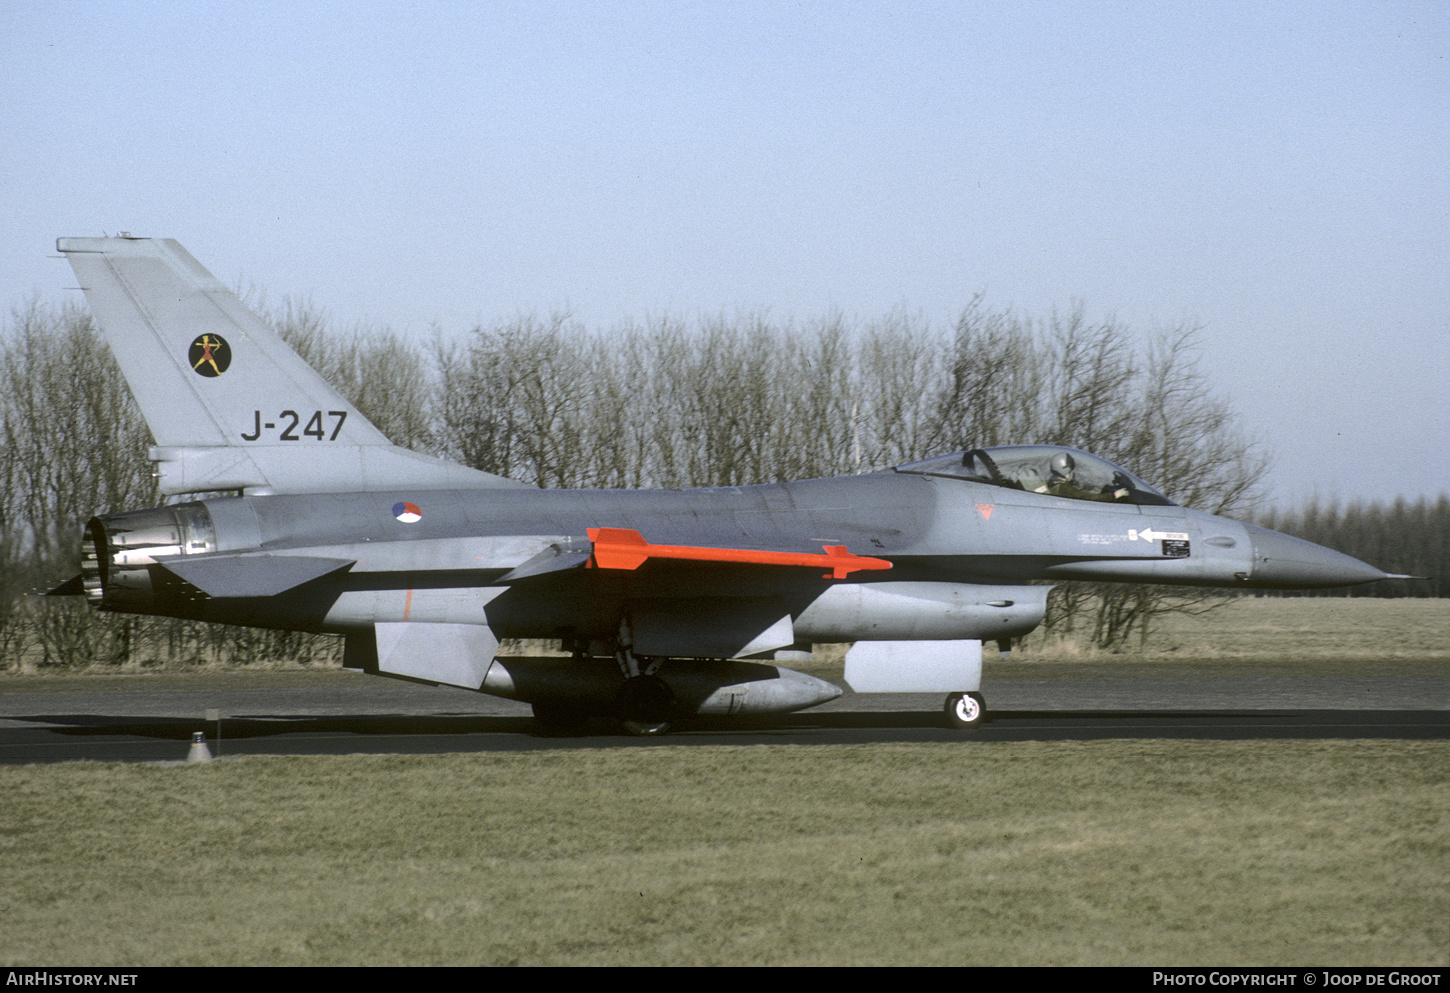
(624, 548)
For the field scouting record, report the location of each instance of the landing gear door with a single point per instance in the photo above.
(914, 666)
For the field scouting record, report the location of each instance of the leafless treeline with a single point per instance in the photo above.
(721, 401)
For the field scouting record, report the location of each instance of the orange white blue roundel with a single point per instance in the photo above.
(407, 512)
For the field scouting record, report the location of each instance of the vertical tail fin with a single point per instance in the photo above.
(230, 404)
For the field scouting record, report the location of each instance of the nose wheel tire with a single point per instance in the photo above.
(965, 710)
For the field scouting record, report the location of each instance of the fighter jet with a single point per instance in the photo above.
(669, 603)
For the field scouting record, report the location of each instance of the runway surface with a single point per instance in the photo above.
(150, 718)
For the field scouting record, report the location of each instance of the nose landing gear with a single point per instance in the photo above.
(965, 710)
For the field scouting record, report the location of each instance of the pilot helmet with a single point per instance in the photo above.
(1062, 465)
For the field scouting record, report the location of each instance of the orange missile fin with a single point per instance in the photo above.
(617, 548)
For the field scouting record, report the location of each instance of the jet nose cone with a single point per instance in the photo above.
(1281, 561)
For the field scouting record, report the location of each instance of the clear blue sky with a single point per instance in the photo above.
(1279, 173)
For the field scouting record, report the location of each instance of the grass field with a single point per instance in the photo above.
(1268, 628)
(1156, 852)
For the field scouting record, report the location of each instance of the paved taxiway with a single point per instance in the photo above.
(151, 718)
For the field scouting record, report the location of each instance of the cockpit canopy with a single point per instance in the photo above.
(1048, 469)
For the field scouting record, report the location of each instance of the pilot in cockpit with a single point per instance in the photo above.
(1062, 481)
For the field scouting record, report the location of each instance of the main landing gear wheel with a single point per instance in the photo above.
(560, 719)
(644, 705)
(645, 729)
(965, 710)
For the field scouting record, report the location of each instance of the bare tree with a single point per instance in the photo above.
(993, 394)
(74, 444)
(899, 373)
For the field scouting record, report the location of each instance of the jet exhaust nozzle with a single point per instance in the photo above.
(120, 555)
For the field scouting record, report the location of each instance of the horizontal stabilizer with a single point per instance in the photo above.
(624, 548)
(231, 576)
(75, 586)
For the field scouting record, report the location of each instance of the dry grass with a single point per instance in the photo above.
(1312, 627)
(1319, 637)
(1156, 852)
